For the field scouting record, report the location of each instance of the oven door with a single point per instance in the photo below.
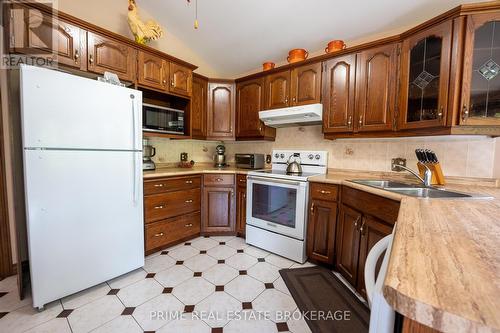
(277, 205)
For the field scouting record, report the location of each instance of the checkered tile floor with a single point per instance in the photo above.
(212, 284)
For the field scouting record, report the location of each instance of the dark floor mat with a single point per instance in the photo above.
(316, 290)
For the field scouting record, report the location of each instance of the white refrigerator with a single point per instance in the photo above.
(83, 181)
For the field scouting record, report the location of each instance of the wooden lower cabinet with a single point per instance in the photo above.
(219, 204)
(241, 204)
(163, 233)
(172, 210)
(348, 243)
(321, 231)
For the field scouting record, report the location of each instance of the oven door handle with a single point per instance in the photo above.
(274, 180)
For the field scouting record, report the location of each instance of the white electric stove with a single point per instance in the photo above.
(277, 203)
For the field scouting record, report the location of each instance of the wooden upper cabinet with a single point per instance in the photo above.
(481, 82)
(221, 111)
(376, 72)
(249, 101)
(152, 71)
(277, 90)
(306, 84)
(425, 72)
(33, 31)
(338, 94)
(372, 230)
(180, 79)
(105, 54)
(199, 108)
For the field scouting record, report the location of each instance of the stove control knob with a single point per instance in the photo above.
(282, 155)
(276, 155)
(310, 156)
(318, 156)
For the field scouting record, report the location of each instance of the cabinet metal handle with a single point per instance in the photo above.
(440, 114)
(164, 81)
(158, 185)
(465, 113)
(242, 180)
(159, 207)
(324, 192)
(172, 83)
(189, 181)
(362, 229)
(159, 234)
(293, 99)
(232, 193)
(188, 225)
(356, 222)
(244, 195)
(360, 120)
(286, 100)
(189, 201)
(77, 56)
(349, 121)
(312, 207)
(218, 179)
(91, 59)
(260, 128)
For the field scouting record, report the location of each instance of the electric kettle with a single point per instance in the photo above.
(293, 167)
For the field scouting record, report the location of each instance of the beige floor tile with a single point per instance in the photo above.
(244, 288)
(221, 252)
(95, 314)
(174, 276)
(127, 279)
(193, 290)
(264, 272)
(85, 296)
(121, 324)
(158, 263)
(200, 262)
(27, 317)
(274, 302)
(148, 314)
(219, 304)
(220, 274)
(140, 292)
(56, 325)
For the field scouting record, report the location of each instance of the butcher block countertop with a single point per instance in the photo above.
(444, 268)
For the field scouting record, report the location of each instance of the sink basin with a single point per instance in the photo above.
(414, 190)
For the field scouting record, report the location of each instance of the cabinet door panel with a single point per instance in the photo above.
(218, 209)
(199, 108)
(481, 82)
(220, 110)
(278, 90)
(376, 88)
(425, 73)
(372, 230)
(338, 96)
(180, 79)
(241, 209)
(34, 30)
(108, 55)
(306, 84)
(249, 101)
(348, 243)
(321, 231)
(152, 70)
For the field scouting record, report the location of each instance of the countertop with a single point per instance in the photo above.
(444, 268)
(199, 168)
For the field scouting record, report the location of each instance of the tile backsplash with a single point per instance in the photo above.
(463, 156)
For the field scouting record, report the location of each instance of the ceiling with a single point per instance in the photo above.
(236, 36)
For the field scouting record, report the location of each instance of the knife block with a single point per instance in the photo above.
(437, 172)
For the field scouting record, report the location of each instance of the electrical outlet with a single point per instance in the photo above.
(397, 161)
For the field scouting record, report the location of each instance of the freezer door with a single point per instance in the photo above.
(61, 110)
(84, 219)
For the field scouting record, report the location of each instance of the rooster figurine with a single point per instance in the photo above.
(143, 32)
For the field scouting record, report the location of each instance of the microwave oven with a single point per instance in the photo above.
(162, 119)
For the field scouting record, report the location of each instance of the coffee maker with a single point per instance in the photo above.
(220, 157)
(148, 151)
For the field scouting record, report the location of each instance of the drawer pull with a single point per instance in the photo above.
(189, 201)
(159, 207)
(189, 181)
(218, 179)
(158, 185)
(159, 234)
(188, 225)
(324, 192)
(242, 180)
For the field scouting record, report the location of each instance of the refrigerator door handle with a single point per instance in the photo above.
(136, 179)
(134, 124)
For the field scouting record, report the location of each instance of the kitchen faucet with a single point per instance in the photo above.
(427, 174)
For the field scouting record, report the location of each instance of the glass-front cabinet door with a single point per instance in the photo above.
(481, 79)
(425, 68)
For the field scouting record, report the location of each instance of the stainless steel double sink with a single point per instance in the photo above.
(415, 190)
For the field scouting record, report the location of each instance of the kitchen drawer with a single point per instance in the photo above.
(165, 205)
(382, 208)
(321, 191)
(218, 179)
(162, 185)
(162, 233)
(241, 180)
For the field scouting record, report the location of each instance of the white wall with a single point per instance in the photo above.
(112, 15)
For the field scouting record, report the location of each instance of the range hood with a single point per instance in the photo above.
(302, 115)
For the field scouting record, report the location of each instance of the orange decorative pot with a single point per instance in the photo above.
(297, 55)
(268, 65)
(335, 45)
